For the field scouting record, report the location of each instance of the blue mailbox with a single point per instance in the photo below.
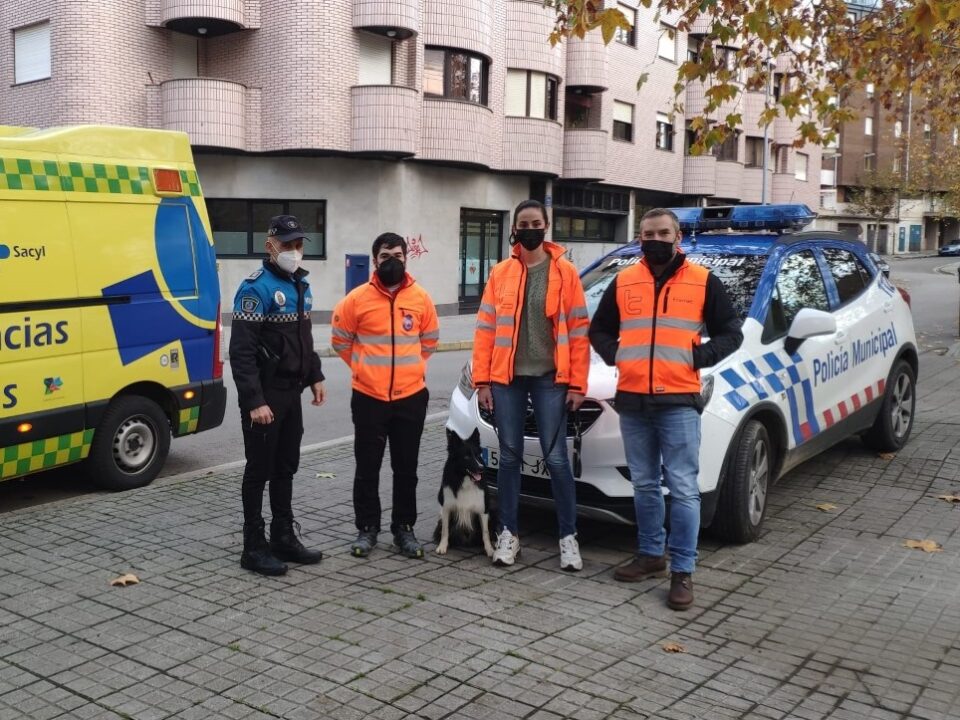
(358, 270)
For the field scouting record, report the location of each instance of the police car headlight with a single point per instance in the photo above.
(706, 390)
(465, 384)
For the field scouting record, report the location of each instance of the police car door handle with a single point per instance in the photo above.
(888, 306)
(840, 337)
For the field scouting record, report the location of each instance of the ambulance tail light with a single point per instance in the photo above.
(906, 296)
(218, 348)
(166, 181)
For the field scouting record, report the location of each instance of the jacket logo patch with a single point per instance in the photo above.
(408, 322)
(279, 298)
(249, 304)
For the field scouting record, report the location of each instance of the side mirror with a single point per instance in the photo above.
(808, 323)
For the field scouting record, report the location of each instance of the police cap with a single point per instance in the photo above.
(286, 228)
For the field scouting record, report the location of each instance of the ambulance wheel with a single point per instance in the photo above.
(891, 429)
(743, 497)
(130, 445)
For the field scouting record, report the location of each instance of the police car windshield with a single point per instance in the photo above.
(740, 275)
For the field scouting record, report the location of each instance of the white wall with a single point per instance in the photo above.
(364, 198)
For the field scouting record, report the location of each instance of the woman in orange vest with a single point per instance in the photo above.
(531, 342)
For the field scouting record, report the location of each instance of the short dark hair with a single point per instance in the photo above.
(531, 204)
(389, 240)
(661, 212)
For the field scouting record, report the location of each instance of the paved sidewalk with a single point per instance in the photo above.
(827, 616)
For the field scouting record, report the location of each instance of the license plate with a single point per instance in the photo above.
(533, 465)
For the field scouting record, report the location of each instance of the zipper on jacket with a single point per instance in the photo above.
(653, 330)
(517, 313)
(666, 297)
(393, 346)
(301, 303)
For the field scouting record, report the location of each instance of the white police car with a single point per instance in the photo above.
(829, 351)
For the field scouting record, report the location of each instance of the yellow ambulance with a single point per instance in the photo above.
(110, 337)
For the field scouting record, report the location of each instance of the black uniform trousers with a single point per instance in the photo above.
(273, 452)
(375, 422)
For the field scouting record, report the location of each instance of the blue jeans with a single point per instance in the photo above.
(550, 409)
(669, 435)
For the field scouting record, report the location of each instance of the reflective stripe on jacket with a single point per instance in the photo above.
(386, 338)
(658, 330)
(498, 321)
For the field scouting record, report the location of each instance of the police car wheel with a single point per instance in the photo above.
(891, 429)
(130, 445)
(743, 497)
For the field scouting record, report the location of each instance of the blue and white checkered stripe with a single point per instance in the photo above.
(758, 384)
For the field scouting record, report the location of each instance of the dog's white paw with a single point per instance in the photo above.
(489, 551)
(441, 549)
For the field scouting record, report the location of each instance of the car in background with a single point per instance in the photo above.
(829, 351)
(951, 250)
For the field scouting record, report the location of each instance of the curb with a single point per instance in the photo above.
(452, 346)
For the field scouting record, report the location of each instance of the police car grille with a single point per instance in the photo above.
(590, 412)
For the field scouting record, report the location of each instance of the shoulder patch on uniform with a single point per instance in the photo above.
(255, 274)
(249, 304)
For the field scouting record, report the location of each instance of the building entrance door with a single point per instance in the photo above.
(481, 232)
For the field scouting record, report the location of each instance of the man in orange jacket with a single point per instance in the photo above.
(385, 331)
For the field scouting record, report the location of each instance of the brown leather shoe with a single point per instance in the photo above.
(641, 568)
(681, 591)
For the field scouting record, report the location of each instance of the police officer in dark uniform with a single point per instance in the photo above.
(273, 361)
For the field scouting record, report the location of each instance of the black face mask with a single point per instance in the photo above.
(390, 271)
(657, 252)
(530, 238)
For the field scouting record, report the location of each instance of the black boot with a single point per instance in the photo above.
(286, 546)
(256, 553)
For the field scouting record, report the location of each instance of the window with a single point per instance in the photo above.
(869, 161)
(896, 164)
(455, 74)
(667, 43)
(799, 285)
(576, 112)
(31, 53)
(926, 131)
(664, 132)
(870, 90)
(622, 121)
(956, 136)
(240, 226)
(897, 129)
(185, 55)
(783, 158)
(729, 57)
(779, 86)
(868, 126)
(727, 151)
(627, 37)
(754, 148)
(375, 65)
(801, 166)
(848, 273)
(531, 94)
(570, 227)
(693, 48)
(576, 196)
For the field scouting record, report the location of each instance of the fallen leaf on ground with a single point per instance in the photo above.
(826, 507)
(949, 498)
(887, 456)
(673, 647)
(326, 475)
(929, 546)
(124, 580)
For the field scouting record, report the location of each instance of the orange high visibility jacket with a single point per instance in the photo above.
(659, 331)
(386, 339)
(498, 321)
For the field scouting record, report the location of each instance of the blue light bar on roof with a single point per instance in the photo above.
(744, 217)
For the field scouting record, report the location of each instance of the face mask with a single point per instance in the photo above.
(530, 238)
(390, 271)
(657, 252)
(289, 260)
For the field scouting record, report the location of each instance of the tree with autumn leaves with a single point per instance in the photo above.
(902, 47)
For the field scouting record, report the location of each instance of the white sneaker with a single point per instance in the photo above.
(570, 553)
(507, 549)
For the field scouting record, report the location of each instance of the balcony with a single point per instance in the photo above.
(464, 24)
(384, 120)
(785, 187)
(729, 180)
(397, 19)
(700, 175)
(204, 17)
(585, 154)
(587, 64)
(752, 188)
(696, 98)
(458, 132)
(527, 26)
(532, 145)
(212, 112)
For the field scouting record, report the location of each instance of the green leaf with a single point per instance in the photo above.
(641, 80)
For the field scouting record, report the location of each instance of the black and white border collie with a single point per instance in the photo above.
(464, 516)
